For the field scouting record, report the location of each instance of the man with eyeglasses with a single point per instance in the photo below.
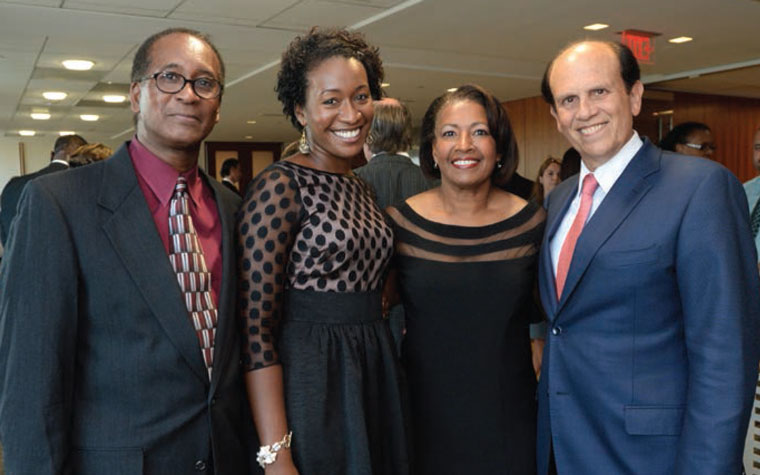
(690, 138)
(752, 188)
(119, 347)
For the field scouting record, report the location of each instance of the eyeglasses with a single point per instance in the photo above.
(171, 83)
(703, 147)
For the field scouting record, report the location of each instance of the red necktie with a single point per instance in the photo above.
(568, 247)
(186, 256)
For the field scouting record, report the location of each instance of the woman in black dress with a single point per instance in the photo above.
(322, 378)
(465, 259)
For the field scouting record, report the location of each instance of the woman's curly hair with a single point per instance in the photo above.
(306, 52)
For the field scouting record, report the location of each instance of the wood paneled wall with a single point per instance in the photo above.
(733, 121)
(536, 134)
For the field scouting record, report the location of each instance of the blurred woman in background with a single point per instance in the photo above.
(548, 178)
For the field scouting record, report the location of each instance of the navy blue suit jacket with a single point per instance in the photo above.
(652, 352)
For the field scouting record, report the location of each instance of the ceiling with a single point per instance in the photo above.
(427, 46)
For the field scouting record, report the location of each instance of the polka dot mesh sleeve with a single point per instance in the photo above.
(267, 225)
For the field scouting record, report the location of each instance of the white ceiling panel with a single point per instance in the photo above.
(306, 14)
(368, 3)
(234, 12)
(154, 8)
(44, 3)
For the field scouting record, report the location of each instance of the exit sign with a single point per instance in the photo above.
(641, 43)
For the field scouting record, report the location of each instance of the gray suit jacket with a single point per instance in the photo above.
(100, 368)
(394, 178)
(12, 193)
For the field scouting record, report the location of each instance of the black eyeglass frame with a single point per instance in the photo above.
(185, 80)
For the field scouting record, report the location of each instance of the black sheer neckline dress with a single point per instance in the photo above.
(314, 249)
(467, 346)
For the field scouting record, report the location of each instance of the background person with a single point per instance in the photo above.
(59, 161)
(690, 138)
(547, 179)
(90, 153)
(231, 174)
(390, 172)
(571, 164)
(321, 368)
(752, 189)
(466, 255)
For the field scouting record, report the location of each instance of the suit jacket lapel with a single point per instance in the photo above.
(563, 196)
(132, 233)
(627, 191)
(226, 330)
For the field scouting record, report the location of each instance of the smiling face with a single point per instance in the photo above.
(463, 146)
(591, 106)
(176, 121)
(550, 177)
(338, 110)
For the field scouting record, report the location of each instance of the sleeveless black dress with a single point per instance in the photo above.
(467, 347)
(314, 249)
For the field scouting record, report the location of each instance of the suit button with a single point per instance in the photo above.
(556, 331)
(200, 465)
(213, 401)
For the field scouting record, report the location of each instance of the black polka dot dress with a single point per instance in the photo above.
(313, 251)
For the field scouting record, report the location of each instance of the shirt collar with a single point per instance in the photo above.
(608, 173)
(161, 177)
(405, 154)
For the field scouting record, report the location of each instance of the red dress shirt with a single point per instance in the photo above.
(157, 180)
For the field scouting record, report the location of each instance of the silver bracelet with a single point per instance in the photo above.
(267, 454)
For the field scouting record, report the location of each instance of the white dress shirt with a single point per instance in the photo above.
(606, 175)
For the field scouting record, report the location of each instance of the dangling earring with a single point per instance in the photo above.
(499, 164)
(435, 164)
(303, 143)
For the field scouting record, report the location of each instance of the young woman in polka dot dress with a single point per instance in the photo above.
(314, 249)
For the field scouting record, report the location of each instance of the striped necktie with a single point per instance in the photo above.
(194, 278)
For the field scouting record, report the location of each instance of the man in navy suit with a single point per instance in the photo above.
(649, 282)
(104, 367)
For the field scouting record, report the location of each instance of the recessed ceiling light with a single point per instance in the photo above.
(114, 98)
(250, 122)
(66, 132)
(78, 64)
(40, 115)
(89, 117)
(385, 84)
(680, 39)
(596, 26)
(249, 136)
(54, 95)
(26, 133)
(451, 89)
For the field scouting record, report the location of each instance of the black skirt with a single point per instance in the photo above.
(343, 386)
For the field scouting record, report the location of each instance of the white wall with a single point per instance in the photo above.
(37, 155)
